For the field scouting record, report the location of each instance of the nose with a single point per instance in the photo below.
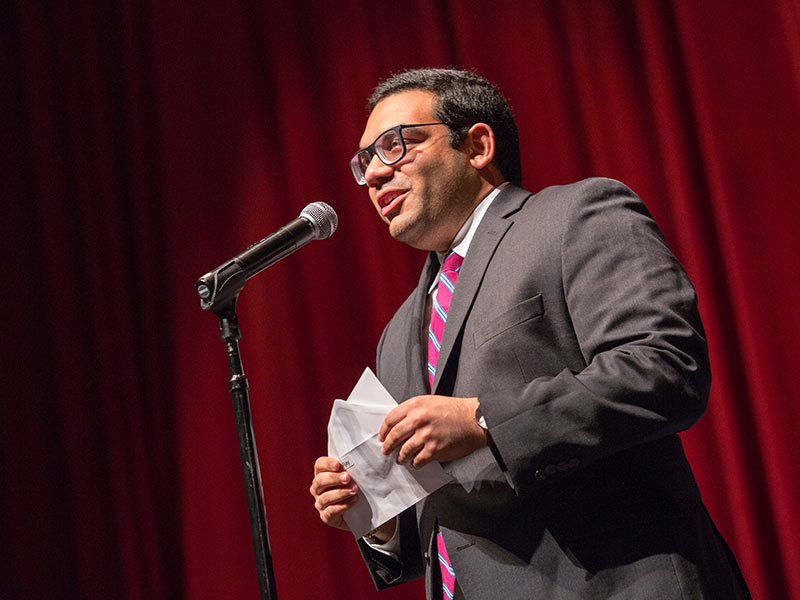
(377, 170)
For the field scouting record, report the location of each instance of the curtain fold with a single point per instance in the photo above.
(143, 144)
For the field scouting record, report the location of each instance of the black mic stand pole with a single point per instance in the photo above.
(219, 290)
(224, 306)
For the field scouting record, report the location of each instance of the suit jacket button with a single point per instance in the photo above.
(540, 475)
(426, 556)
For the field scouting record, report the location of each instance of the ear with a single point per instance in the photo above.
(480, 140)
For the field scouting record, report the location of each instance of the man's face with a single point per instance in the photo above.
(426, 196)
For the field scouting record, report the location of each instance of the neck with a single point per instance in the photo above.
(491, 178)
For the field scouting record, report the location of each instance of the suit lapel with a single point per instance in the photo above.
(490, 232)
(417, 344)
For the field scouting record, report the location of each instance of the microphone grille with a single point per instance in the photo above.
(322, 218)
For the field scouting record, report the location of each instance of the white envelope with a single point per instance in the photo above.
(386, 488)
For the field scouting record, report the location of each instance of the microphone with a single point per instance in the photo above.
(219, 287)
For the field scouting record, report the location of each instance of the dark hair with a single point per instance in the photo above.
(463, 99)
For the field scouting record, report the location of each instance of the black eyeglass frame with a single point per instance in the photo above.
(372, 151)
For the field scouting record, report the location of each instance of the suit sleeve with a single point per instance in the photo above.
(635, 320)
(385, 570)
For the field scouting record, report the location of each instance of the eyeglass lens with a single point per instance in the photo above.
(389, 147)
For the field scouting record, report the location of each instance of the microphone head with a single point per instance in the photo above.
(322, 218)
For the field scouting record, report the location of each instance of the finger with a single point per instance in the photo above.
(337, 509)
(397, 435)
(326, 480)
(326, 463)
(422, 458)
(332, 515)
(410, 448)
(335, 497)
(394, 416)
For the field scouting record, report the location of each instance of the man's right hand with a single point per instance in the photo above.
(334, 491)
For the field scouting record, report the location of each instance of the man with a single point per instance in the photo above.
(571, 355)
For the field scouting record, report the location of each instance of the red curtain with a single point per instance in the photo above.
(145, 143)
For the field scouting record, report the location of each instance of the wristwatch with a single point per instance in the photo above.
(372, 538)
(481, 420)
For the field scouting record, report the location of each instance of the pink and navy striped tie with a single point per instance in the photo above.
(441, 304)
(448, 575)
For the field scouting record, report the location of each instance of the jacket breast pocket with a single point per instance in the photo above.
(532, 308)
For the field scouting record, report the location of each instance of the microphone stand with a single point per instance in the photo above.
(238, 387)
(219, 291)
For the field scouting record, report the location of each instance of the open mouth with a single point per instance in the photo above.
(389, 201)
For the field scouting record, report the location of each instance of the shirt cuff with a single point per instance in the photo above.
(391, 547)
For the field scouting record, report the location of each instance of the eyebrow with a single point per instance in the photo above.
(415, 127)
(360, 147)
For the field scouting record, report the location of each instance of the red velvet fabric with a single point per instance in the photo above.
(145, 143)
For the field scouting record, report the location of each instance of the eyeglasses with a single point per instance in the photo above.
(389, 146)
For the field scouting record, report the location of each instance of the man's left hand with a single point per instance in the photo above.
(432, 428)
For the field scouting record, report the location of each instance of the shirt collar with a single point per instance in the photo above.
(464, 236)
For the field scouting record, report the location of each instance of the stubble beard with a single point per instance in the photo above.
(434, 211)
(431, 224)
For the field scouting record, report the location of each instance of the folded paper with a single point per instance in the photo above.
(385, 488)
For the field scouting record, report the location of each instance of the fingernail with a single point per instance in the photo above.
(344, 477)
(353, 491)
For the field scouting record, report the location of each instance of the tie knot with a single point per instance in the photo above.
(452, 262)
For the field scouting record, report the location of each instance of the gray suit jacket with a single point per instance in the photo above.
(578, 330)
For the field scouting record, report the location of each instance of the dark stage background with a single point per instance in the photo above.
(146, 142)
